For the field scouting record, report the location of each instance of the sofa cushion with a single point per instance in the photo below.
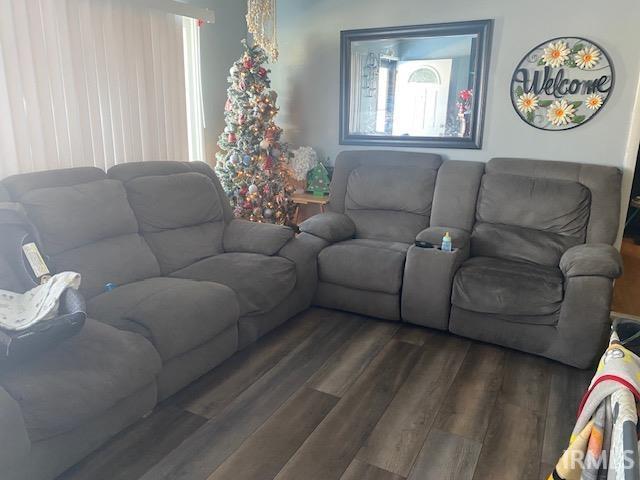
(80, 378)
(177, 315)
(364, 264)
(180, 216)
(520, 244)
(390, 203)
(74, 216)
(498, 286)
(260, 282)
(90, 228)
(530, 218)
(254, 237)
(405, 189)
(118, 260)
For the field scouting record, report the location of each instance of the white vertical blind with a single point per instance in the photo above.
(193, 81)
(89, 82)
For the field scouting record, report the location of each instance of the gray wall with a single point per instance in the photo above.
(219, 47)
(307, 74)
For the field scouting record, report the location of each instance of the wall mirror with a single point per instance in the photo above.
(418, 86)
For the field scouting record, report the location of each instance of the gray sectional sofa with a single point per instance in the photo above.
(533, 264)
(174, 284)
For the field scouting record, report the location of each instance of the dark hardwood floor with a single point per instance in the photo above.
(625, 293)
(331, 395)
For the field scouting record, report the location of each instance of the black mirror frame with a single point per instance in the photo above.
(484, 30)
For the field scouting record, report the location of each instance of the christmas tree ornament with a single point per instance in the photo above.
(247, 166)
(262, 25)
(268, 213)
(318, 180)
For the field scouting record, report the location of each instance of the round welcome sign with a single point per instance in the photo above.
(562, 83)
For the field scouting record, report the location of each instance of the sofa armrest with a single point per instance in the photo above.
(459, 238)
(330, 226)
(13, 434)
(591, 259)
(251, 237)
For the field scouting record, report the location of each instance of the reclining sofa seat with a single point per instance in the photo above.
(540, 275)
(66, 401)
(87, 225)
(186, 218)
(95, 384)
(379, 202)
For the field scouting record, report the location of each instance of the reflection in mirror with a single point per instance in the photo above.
(412, 86)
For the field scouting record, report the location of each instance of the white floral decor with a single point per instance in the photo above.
(555, 54)
(302, 160)
(560, 112)
(562, 83)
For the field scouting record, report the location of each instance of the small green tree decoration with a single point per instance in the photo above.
(252, 163)
(318, 180)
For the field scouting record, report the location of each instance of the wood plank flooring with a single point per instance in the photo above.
(625, 292)
(335, 396)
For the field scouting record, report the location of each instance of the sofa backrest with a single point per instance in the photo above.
(85, 225)
(180, 207)
(456, 193)
(4, 194)
(387, 194)
(534, 210)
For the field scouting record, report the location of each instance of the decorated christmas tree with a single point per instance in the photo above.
(253, 163)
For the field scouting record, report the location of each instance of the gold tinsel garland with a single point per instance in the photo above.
(261, 23)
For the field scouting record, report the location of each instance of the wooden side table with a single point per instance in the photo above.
(307, 199)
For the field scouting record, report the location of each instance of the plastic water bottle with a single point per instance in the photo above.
(446, 243)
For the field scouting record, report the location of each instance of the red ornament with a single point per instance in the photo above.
(247, 62)
(243, 191)
(268, 163)
(228, 106)
(247, 204)
(262, 72)
(232, 138)
(465, 95)
(241, 119)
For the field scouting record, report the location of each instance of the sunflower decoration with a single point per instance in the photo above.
(555, 54)
(587, 58)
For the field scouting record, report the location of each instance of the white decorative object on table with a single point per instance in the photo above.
(303, 160)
